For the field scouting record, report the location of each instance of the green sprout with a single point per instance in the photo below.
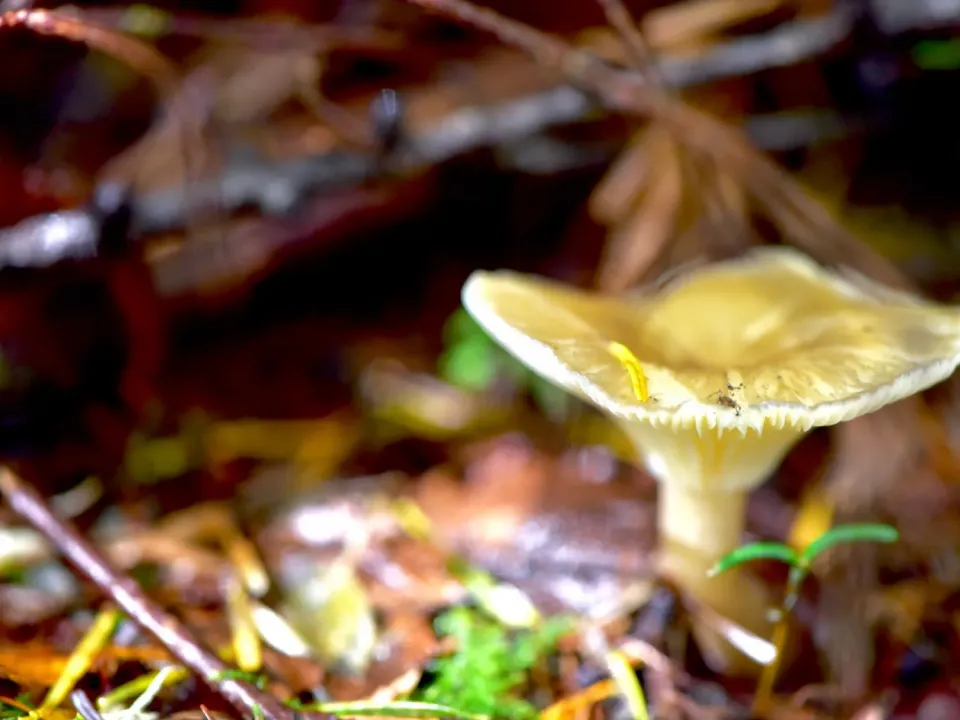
(800, 564)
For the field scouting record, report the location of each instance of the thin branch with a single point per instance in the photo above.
(256, 33)
(246, 699)
(276, 189)
(894, 17)
(633, 40)
(801, 220)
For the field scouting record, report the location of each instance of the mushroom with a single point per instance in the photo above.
(715, 374)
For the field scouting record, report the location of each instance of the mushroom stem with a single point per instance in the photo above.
(710, 523)
(705, 476)
(696, 531)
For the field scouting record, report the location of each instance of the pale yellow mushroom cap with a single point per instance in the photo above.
(770, 339)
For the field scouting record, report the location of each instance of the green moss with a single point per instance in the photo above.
(490, 667)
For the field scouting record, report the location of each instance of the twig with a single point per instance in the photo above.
(633, 40)
(276, 189)
(801, 220)
(246, 699)
(623, 90)
(258, 33)
(84, 705)
(894, 17)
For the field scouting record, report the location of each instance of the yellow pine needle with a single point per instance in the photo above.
(81, 659)
(247, 648)
(245, 559)
(215, 522)
(638, 380)
(626, 680)
(763, 698)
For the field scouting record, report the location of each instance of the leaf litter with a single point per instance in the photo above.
(516, 575)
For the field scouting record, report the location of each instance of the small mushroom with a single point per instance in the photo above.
(715, 375)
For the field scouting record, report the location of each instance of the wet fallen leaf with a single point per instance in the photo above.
(331, 610)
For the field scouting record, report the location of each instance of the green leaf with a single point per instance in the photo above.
(461, 327)
(146, 21)
(854, 532)
(400, 708)
(470, 364)
(937, 54)
(755, 551)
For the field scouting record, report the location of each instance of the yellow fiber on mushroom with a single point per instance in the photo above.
(715, 374)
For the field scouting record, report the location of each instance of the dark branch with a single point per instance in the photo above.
(515, 128)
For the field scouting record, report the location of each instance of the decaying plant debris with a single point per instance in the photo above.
(286, 475)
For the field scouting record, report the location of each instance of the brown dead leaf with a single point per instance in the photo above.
(881, 470)
(634, 245)
(253, 84)
(408, 575)
(615, 197)
(802, 220)
(688, 22)
(157, 159)
(408, 644)
(502, 486)
(39, 666)
(232, 87)
(682, 29)
(570, 544)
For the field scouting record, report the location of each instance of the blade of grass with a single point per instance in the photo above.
(81, 659)
(138, 686)
(402, 708)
